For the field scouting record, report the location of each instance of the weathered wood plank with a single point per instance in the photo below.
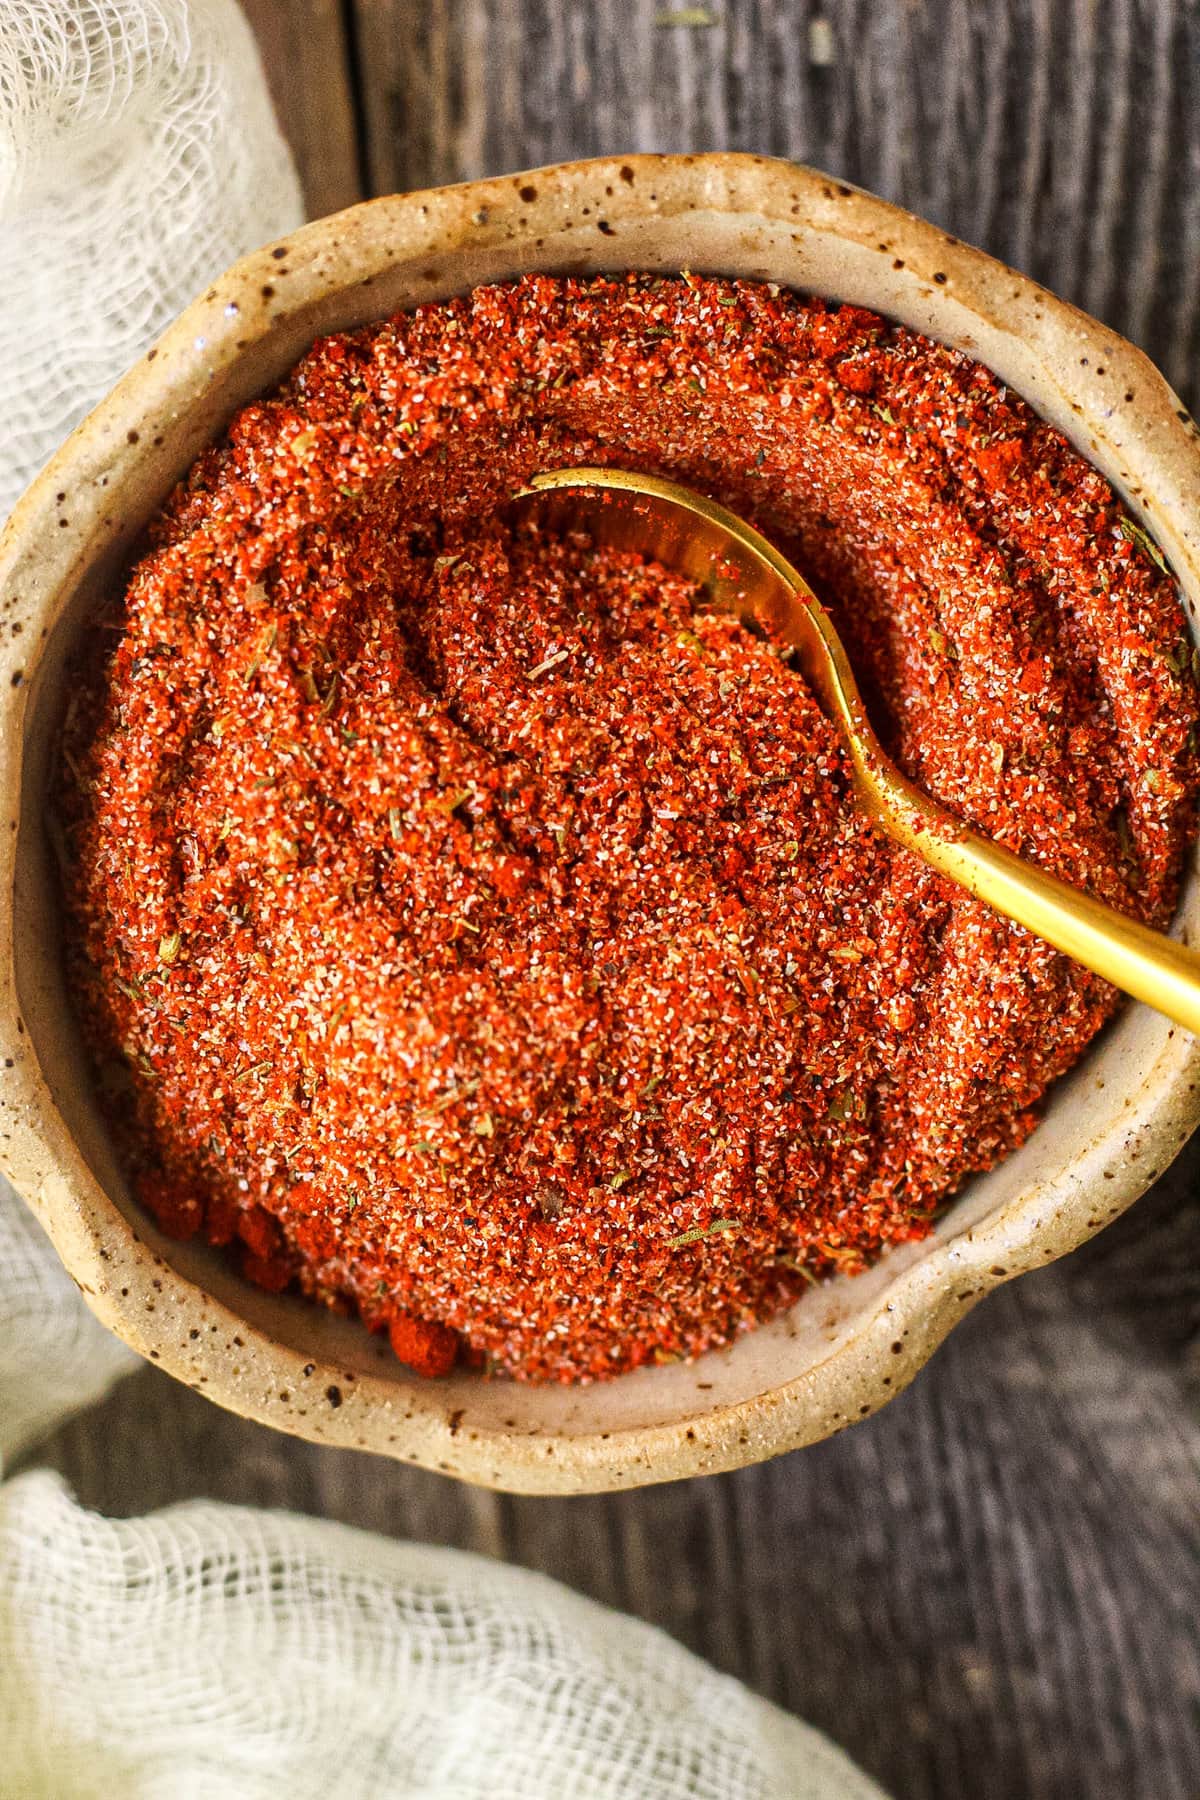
(306, 53)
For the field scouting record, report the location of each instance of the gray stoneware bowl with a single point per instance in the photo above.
(847, 1347)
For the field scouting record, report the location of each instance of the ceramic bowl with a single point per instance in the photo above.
(847, 1347)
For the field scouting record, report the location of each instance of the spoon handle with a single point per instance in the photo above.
(742, 571)
(1145, 963)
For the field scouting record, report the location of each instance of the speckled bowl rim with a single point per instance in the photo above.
(849, 1346)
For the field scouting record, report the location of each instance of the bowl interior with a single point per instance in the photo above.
(774, 1385)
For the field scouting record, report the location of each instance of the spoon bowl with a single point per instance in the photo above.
(740, 571)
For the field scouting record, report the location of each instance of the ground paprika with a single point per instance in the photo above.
(478, 932)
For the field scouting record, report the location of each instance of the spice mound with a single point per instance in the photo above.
(474, 930)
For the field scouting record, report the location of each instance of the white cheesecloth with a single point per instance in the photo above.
(212, 1650)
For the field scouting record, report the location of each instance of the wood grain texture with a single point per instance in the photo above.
(989, 1590)
(307, 54)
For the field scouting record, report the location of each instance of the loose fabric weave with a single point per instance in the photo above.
(138, 157)
(210, 1652)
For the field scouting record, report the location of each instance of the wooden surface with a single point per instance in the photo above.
(991, 1589)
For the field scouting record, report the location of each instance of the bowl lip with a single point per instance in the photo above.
(41, 559)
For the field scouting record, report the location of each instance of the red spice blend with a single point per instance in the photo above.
(481, 935)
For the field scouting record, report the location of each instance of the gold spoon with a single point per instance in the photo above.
(741, 572)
